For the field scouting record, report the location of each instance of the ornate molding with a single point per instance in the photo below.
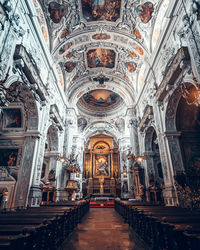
(26, 63)
(172, 74)
(54, 114)
(147, 117)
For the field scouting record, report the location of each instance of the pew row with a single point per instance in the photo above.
(41, 228)
(162, 227)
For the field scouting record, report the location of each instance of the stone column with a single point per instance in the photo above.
(133, 128)
(169, 194)
(35, 191)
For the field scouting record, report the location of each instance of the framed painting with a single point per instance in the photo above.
(12, 118)
(8, 157)
(101, 165)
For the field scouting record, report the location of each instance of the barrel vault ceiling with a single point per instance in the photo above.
(101, 49)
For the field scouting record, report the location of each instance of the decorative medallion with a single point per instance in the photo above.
(120, 124)
(82, 123)
(57, 11)
(145, 11)
(101, 10)
(132, 54)
(101, 79)
(131, 66)
(69, 55)
(101, 58)
(65, 47)
(64, 33)
(69, 66)
(137, 33)
(102, 36)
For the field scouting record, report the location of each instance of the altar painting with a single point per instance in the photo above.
(101, 165)
(13, 118)
(8, 157)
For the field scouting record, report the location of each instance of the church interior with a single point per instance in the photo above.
(100, 124)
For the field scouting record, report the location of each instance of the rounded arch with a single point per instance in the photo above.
(118, 85)
(88, 132)
(154, 166)
(148, 138)
(171, 109)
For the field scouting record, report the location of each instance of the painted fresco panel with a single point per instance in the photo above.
(101, 98)
(101, 36)
(13, 118)
(101, 58)
(8, 157)
(56, 11)
(101, 165)
(145, 11)
(101, 10)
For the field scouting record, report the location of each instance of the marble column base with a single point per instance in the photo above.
(35, 196)
(170, 197)
(61, 195)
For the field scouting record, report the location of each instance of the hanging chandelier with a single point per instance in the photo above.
(71, 163)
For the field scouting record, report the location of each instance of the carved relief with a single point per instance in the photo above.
(20, 93)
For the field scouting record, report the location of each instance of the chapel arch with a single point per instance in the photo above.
(182, 130)
(154, 173)
(19, 125)
(48, 174)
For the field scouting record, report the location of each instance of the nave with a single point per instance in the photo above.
(103, 228)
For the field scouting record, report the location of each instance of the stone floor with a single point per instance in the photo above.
(103, 228)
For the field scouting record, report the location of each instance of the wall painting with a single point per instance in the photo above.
(8, 157)
(12, 118)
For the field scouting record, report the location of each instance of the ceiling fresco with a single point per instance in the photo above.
(57, 11)
(145, 11)
(100, 10)
(101, 58)
(101, 45)
(100, 98)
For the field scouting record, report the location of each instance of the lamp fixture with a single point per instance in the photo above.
(71, 163)
(136, 158)
(191, 93)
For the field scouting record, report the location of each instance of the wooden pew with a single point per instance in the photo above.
(162, 227)
(39, 228)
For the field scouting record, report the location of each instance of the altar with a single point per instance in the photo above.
(101, 166)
